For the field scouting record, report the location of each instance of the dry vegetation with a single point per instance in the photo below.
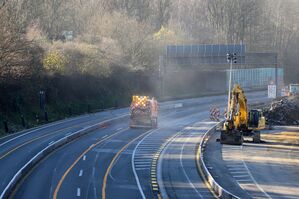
(117, 43)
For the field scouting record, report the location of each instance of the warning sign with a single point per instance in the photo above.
(272, 91)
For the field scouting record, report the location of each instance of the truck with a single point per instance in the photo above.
(143, 112)
(240, 121)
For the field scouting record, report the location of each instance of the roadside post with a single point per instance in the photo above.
(231, 58)
(272, 91)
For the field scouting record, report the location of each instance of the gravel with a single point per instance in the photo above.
(283, 111)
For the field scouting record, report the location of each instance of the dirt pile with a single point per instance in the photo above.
(284, 111)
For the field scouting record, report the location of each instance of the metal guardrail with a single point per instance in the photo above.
(218, 191)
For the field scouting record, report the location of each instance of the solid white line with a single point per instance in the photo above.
(184, 171)
(133, 165)
(81, 173)
(258, 186)
(84, 157)
(69, 133)
(106, 135)
(51, 142)
(78, 192)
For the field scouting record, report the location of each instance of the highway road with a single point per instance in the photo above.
(257, 170)
(115, 161)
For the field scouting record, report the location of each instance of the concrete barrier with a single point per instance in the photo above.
(218, 191)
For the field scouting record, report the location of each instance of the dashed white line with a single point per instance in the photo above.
(84, 157)
(78, 192)
(81, 173)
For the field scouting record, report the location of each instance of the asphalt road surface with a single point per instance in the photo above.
(257, 170)
(115, 161)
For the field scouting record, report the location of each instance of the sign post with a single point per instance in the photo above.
(272, 91)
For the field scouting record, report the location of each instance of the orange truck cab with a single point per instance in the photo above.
(143, 112)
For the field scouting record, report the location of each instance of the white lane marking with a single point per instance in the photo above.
(78, 192)
(133, 165)
(51, 142)
(244, 180)
(80, 173)
(237, 163)
(143, 164)
(235, 169)
(142, 168)
(84, 157)
(252, 178)
(106, 135)
(238, 172)
(184, 171)
(119, 129)
(57, 123)
(241, 176)
(68, 133)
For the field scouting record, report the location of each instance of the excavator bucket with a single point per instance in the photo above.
(233, 137)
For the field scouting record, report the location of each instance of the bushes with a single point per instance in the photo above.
(54, 62)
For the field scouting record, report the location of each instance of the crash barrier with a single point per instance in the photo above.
(219, 191)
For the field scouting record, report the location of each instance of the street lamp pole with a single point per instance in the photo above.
(231, 58)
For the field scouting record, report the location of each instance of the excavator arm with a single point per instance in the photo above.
(240, 121)
(237, 118)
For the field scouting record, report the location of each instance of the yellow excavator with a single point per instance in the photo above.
(239, 121)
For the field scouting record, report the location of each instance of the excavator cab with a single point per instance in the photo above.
(256, 122)
(254, 118)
